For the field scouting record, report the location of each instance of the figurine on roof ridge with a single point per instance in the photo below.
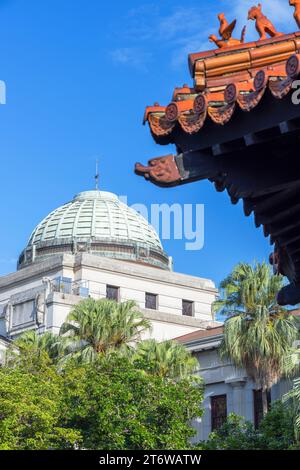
(263, 25)
(225, 31)
(296, 4)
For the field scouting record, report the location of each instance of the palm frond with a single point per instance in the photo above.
(102, 326)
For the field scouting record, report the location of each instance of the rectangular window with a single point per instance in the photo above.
(23, 313)
(218, 411)
(187, 308)
(258, 406)
(151, 301)
(113, 293)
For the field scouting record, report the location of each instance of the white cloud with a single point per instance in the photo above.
(181, 31)
(278, 11)
(186, 29)
(185, 47)
(183, 21)
(132, 56)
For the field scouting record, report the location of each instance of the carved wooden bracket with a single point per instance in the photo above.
(162, 170)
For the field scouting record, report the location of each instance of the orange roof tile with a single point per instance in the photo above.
(218, 330)
(199, 334)
(226, 79)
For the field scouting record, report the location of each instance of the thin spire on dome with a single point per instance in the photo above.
(97, 175)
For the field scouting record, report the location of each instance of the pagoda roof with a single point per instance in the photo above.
(227, 79)
(255, 156)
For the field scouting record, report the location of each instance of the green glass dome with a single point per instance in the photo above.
(96, 222)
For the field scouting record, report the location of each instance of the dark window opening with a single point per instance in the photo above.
(258, 406)
(218, 411)
(112, 293)
(151, 301)
(187, 308)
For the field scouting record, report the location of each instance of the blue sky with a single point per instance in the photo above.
(79, 74)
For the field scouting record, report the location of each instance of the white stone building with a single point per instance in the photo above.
(97, 246)
(227, 389)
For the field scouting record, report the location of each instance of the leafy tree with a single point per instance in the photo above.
(275, 432)
(166, 359)
(235, 434)
(258, 334)
(276, 429)
(293, 396)
(37, 345)
(115, 406)
(101, 398)
(96, 327)
(105, 404)
(31, 398)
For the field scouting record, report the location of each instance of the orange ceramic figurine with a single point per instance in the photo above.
(263, 25)
(225, 32)
(296, 4)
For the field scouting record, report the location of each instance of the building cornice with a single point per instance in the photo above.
(145, 272)
(156, 315)
(36, 270)
(110, 265)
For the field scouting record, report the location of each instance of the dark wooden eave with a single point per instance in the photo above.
(254, 157)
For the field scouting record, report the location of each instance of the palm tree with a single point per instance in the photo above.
(246, 287)
(166, 359)
(258, 333)
(32, 342)
(97, 327)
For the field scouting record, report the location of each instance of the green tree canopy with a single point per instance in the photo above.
(115, 406)
(33, 344)
(108, 403)
(293, 396)
(166, 359)
(31, 407)
(274, 433)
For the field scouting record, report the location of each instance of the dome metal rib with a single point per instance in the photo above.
(100, 224)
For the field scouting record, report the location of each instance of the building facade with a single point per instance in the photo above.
(97, 246)
(227, 389)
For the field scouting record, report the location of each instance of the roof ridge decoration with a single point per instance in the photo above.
(237, 126)
(225, 31)
(263, 25)
(235, 75)
(296, 4)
